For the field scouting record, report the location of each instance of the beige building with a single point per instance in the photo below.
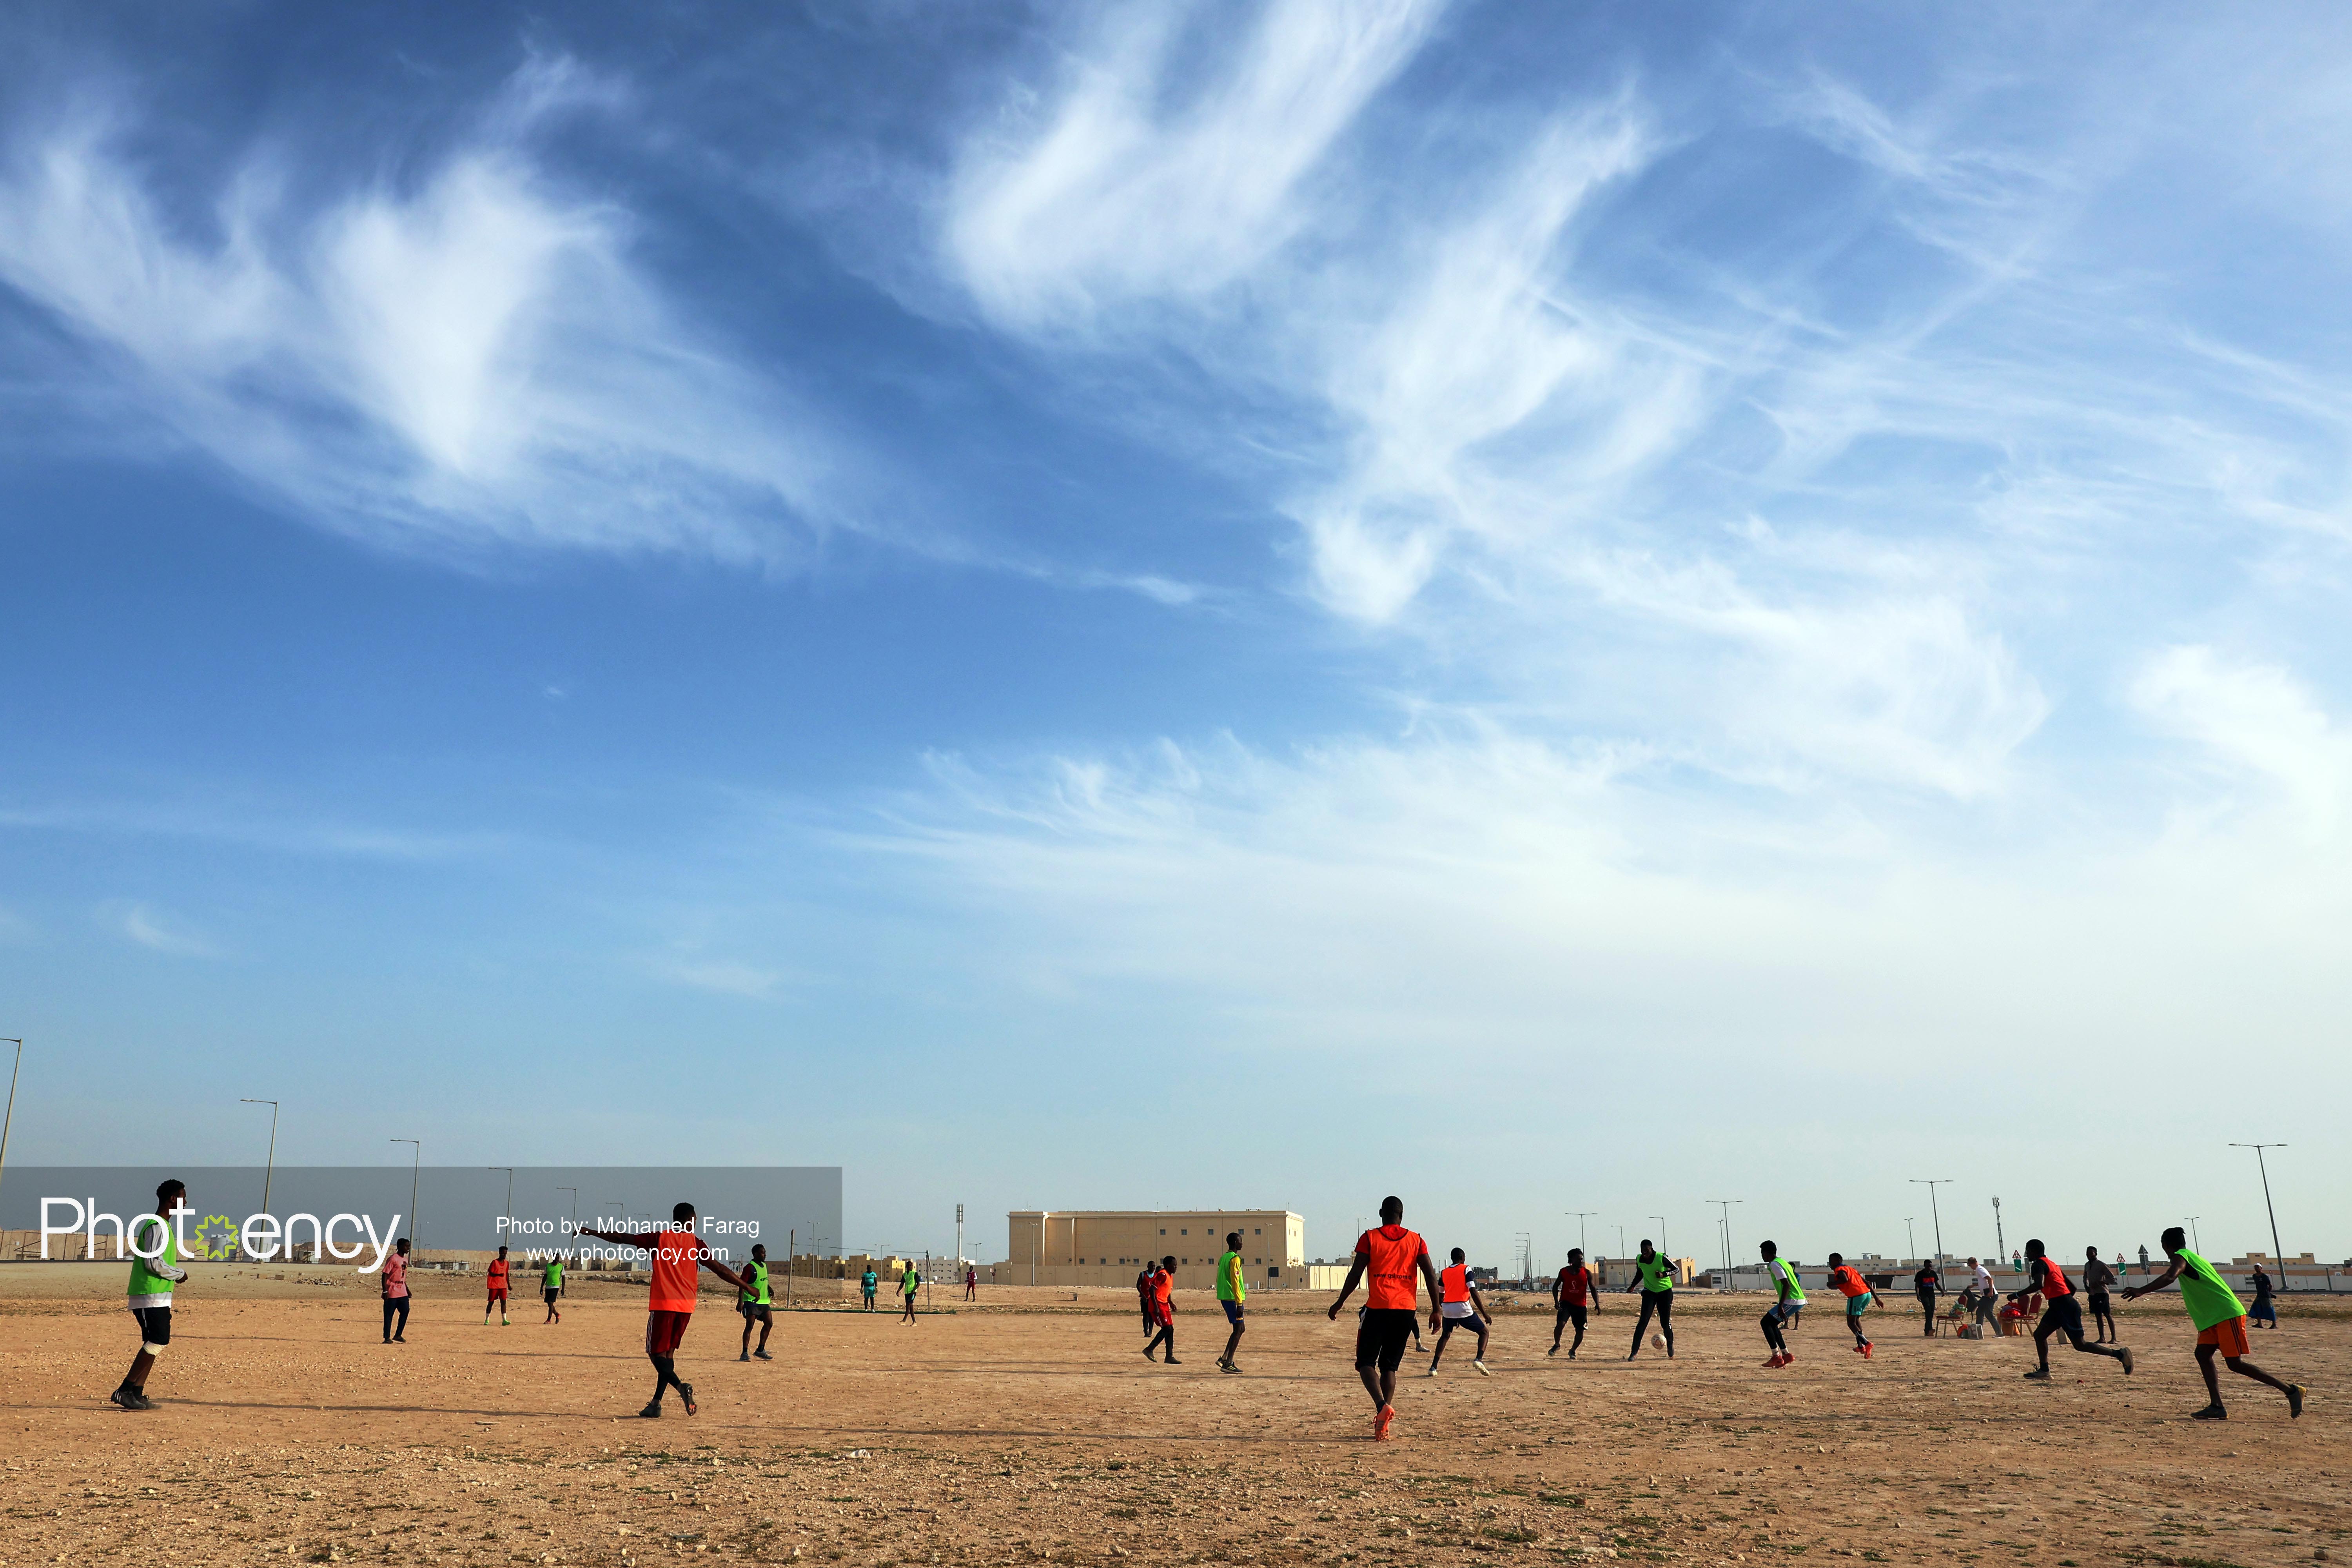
(1109, 1247)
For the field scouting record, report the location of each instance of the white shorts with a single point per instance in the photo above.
(1455, 1309)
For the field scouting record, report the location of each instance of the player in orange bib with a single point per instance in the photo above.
(1858, 1296)
(1395, 1259)
(1459, 1305)
(2062, 1315)
(679, 1256)
(497, 1283)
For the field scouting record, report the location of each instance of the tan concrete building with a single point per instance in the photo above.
(1108, 1247)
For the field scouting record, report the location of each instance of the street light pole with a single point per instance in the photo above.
(1582, 1216)
(1938, 1213)
(575, 1207)
(1726, 1205)
(416, 1231)
(2000, 1242)
(509, 1225)
(270, 1168)
(2265, 1170)
(1909, 1239)
(2193, 1234)
(9, 1120)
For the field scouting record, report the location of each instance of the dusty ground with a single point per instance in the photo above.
(1031, 1430)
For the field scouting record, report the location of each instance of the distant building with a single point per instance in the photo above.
(1109, 1247)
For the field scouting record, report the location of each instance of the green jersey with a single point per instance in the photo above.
(755, 1275)
(911, 1283)
(870, 1281)
(152, 1281)
(1781, 1270)
(551, 1276)
(2206, 1295)
(1229, 1279)
(1657, 1274)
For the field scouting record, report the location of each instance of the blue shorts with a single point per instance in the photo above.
(1233, 1311)
(1783, 1310)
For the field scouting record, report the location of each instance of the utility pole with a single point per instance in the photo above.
(1938, 1215)
(1662, 1234)
(1726, 1205)
(2193, 1234)
(2000, 1242)
(509, 1228)
(416, 1231)
(9, 1121)
(2265, 1170)
(959, 1235)
(1582, 1216)
(575, 1209)
(1910, 1240)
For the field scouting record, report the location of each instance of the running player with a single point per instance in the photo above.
(1392, 1255)
(2221, 1320)
(497, 1283)
(1163, 1311)
(1788, 1300)
(1458, 1302)
(551, 1286)
(1858, 1297)
(1925, 1285)
(1653, 1275)
(869, 1282)
(153, 1275)
(679, 1256)
(395, 1294)
(2097, 1280)
(757, 1304)
(1572, 1294)
(1231, 1294)
(2061, 1315)
(908, 1283)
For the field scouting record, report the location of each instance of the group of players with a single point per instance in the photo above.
(1391, 1262)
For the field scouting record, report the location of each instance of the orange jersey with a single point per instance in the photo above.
(1393, 1256)
(1848, 1280)
(498, 1274)
(677, 1267)
(1162, 1285)
(2054, 1279)
(1454, 1283)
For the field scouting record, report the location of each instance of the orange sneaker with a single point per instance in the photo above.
(1772, 1361)
(1867, 1348)
(1381, 1422)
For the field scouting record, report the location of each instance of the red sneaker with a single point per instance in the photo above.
(1772, 1361)
(1381, 1422)
(1867, 1348)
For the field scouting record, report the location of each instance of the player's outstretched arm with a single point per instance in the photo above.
(1355, 1277)
(2158, 1283)
(726, 1273)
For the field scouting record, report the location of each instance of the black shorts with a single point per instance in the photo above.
(1381, 1337)
(1565, 1313)
(154, 1324)
(2064, 1316)
(755, 1312)
(2099, 1304)
(551, 1296)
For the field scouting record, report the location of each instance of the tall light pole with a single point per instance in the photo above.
(2265, 1170)
(1726, 1205)
(575, 1207)
(509, 1225)
(959, 1235)
(2000, 1243)
(1909, 1239)
(9, 1121)
(1662, 1234)
(1938, 1213)
(416, 1231)
(270, 1167)
(1580, 1217)
(2193, 1234)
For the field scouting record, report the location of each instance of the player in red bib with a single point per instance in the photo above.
(1459, 1305)
(1572, 1294)
(1850, 1284)
(1392, 1255)
(2063, 1313)
(1162, 1308)
(497, 1283)
(679, 1255)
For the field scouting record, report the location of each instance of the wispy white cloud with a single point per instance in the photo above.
(152, 929)
(726, 977)
(1140, 174)
(2254, 720)
(467, 361)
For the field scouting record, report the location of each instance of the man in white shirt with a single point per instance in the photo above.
(1981, 1283)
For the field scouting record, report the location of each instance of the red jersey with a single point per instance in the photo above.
(1162, 1284)
(678, 1268)
(1392, 1258)
(1575, 1286)
(498, 1276)
(2052, 1281)
(1849, 1280)
(1454, 1283)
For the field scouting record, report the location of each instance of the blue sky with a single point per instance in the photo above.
(1543, 608)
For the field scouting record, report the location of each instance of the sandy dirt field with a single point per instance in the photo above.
(1032, 1430)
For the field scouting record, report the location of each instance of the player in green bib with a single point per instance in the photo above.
(151, 1278)
(550, 1287)
(1231, 1294)
(1654, 1277)
(2221, 1320)
(756, 1304)
(911, 1282)
(1788, 1300)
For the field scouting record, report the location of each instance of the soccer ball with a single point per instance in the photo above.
(1657, 1341)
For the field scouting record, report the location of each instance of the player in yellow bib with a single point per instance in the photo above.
(1788, 1300)
(153, 1275)
(1231, 1294)
(2221, 1320)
